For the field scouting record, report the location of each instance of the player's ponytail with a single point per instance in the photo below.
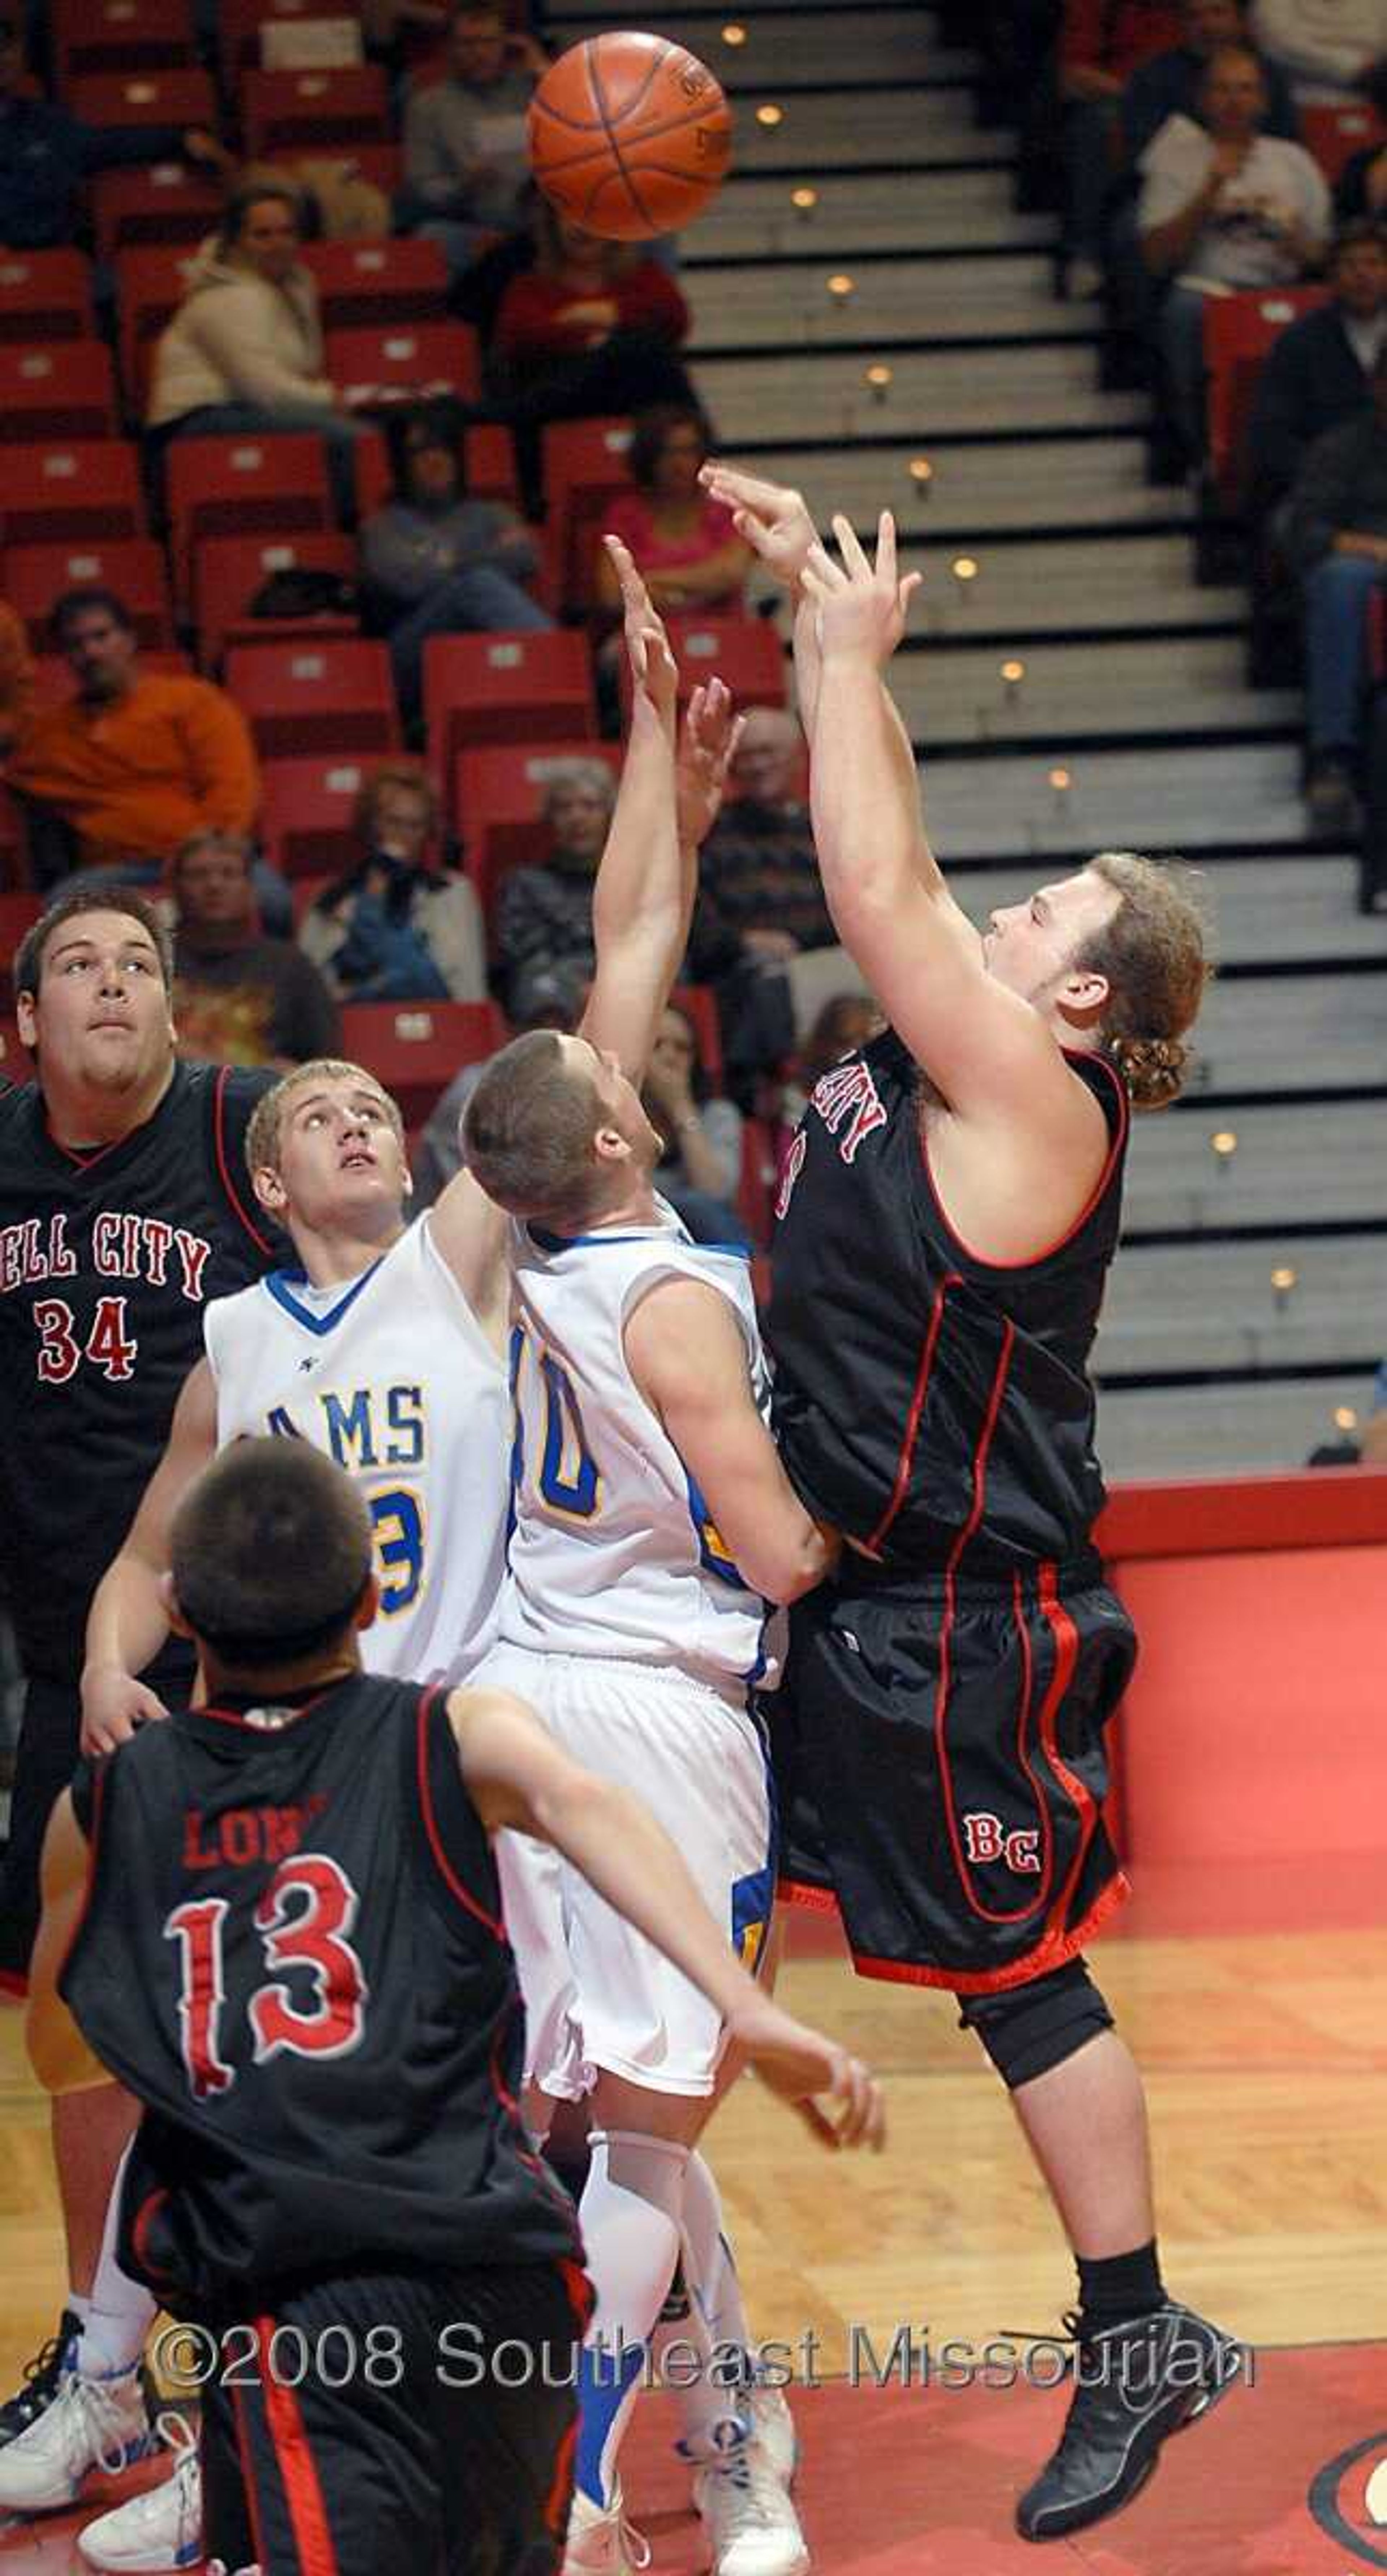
(1153, 953)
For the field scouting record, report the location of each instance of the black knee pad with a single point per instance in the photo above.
(1029, 2029)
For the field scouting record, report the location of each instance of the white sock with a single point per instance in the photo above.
(120, 2311)
(629, 2215)
(710, 2408)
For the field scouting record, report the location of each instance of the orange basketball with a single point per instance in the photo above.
(629, 135)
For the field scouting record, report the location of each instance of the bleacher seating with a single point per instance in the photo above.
(1238, 331)
(307, 809)
(121, 36)
(415, 1048)
(328, 696)
(169, 205)
(230, 570)
(1334, 130)
(313, 111)
(584, 465)
(63, 389)
(365, 284)
(498, 805)
(746, 652)
(242, 487)
(68, 492)
(505, 688)
(45, 295)
(128, 100)
(33, 577)
(150, 282)
(406, 360)
(488, 460)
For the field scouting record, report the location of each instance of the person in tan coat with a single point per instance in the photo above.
(244, 351)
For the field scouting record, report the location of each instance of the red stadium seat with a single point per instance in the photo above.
(124, 100)
(314, 111)
(403, 361)
(1238, 331)
(315, 697)
(584, 466)
(169, 204)
(45, 295)
(61, 495)
(243, 487)
(498, 806)
(149, 289)
(230, 570)
(505, 688)
(488, 457)
(746, 652)
(415, 1048)
(239, 24)
(127, 36)
(18, 913)
(307, 813)
(60, 389)
(133, 567)
(1333, 133)
(365, 283)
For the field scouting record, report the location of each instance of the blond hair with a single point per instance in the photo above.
(265, 1131)
(1154, 955)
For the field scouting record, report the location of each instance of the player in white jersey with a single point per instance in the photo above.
(384, 1347)
(653, 1528)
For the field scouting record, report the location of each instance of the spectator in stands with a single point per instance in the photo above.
(466, 166)
(46, 153)
(137, 761)
(544, 914)
(1223, 205)
(592, 328)
(435, 562)
(16, 678)
(244, 351)
(1325, 45)
(700, 1165)
(1100, 46)
(1361, 187)
(684, 543)
(1334, 530)
(1319, 372)
(395, 928)
(239, 998)
(846, 1022)
(1171, 84)
(556, 1002)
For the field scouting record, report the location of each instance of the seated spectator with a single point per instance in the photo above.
(16, 678)
(435, 562)
(466, 164)
(683, 542)
(1100, 46)
(46, 153)
(239, 998)
(1334, 530)
(544, 914)
(700, 1165)
(759, 879)
(1360, 191)
(591, 329)
(395, 928)
(1325, 45)
(244, 351)
(1223, 205)
(846, 1023)
(1319, 371)
(1170, 84)
(136, 762)
(557, 1003)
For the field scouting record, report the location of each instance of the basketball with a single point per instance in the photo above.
(630, 136)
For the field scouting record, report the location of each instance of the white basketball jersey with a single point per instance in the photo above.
(612, 1550)
(393, 1377)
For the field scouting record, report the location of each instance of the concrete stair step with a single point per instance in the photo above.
(1047, 388)
(1318, 1163)
(1272, 1036)
(1222, 1430)
(897, 301)
(1074, 692)
(861, 44)
(1066, 583)
(756, 217)
(975, 492)
(1218, 1307)
(1239, 795)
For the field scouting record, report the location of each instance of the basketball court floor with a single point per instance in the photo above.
(1255, 2004)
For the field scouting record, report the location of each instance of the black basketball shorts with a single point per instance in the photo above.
(389, 2425)
(941, 1770)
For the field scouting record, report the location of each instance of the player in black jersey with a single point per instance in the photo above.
(124, 1206)
(947, 1215)
(277, 1920)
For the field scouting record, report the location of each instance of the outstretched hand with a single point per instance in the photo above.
(861, 606)
(813, 2074)
(708, 742)
(653, 666)
(774, 520)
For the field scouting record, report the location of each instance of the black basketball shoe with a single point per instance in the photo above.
(39, 2385)
(1137, 2384)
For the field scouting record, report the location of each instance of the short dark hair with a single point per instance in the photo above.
(651, 428)
(1363, 229)
(443, 422)
(270, 1553)
(29, 956)
(252, 192)
(529, 1131)
(92, 598)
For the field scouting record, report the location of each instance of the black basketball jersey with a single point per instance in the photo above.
(293, 1954)
(934, 1406)
(107, 1261)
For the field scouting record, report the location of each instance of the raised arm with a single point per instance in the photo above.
(686, 1354)
(517, 1776)
(127, 1622)
(986, 1051)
